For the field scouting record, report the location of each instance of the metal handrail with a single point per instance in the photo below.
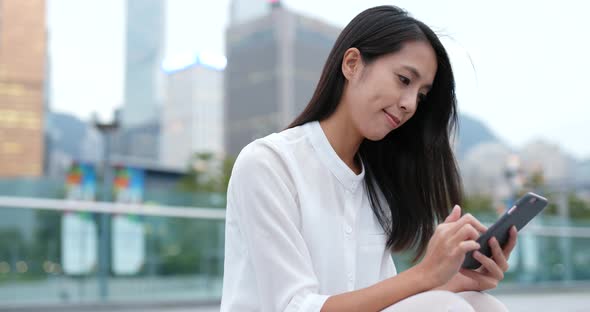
(208, 213)
(112, 208)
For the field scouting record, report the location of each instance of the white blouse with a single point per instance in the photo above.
(299, 226)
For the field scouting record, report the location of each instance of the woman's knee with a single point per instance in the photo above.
(436, 300)
(483, 302)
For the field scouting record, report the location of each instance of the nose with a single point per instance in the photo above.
(408, 102)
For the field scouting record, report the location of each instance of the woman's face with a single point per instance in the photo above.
(385, 94)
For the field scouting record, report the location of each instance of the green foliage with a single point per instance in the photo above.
(552, 208)
(12, 244)
(228, 165)
(578, 208)
(478, 204)
(207, 174)
(535, 181)
(189, 247)
(47, 243)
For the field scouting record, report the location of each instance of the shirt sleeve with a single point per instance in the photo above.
(262, 196)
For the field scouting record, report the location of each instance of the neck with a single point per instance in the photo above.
(345, 140)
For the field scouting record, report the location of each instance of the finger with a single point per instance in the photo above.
(493, 268)
(467, 232)
(467, 246)
(454, 215)
(511, 242)
(484, 282)
(470, 219)
(498, 254)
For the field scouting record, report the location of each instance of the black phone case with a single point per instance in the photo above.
(524, 210)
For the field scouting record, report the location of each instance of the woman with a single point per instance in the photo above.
(314, 212)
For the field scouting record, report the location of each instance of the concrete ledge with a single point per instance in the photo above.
(112, 306)
(543, 288)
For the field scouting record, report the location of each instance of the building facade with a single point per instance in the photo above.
(192, 115)
(274, 64)
(23, 49)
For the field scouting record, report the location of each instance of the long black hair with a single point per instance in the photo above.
(413, 166)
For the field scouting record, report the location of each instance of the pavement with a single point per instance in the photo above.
(516, 302)
(518, 298)
(547, 302)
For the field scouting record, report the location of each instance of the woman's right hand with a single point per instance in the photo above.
(446, 250)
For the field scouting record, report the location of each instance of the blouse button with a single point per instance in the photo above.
(348, 229)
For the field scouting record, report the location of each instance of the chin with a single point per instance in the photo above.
(376, 135)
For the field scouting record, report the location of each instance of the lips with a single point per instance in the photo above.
(393, 121)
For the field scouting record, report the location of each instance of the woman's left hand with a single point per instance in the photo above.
(491, 271)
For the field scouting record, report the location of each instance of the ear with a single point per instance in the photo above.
(352, 63)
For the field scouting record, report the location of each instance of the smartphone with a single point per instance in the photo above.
(523, 211)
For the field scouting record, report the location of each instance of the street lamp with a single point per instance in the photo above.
(107, 129)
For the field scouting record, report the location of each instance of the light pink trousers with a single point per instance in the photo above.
(446, 301)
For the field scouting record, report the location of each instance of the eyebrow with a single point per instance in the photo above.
(416, 74)
(413, 70)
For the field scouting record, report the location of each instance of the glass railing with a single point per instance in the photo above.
(51, 251)
(56, 251)
(152, 194)
(550, 251)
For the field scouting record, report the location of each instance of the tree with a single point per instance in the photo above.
(207, 174)
(476, 204)
(578, 208)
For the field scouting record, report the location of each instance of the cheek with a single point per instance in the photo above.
(359, 106)
(372, 123)
(366, 108)
(359, 114)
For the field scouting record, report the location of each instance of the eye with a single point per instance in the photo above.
(405, 80)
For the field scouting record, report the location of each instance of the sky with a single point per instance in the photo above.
(521, 67)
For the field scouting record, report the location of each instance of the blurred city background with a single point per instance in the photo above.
(120, 121)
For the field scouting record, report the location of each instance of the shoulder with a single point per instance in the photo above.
(271, 151)
(270, 162)
(258, 154)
